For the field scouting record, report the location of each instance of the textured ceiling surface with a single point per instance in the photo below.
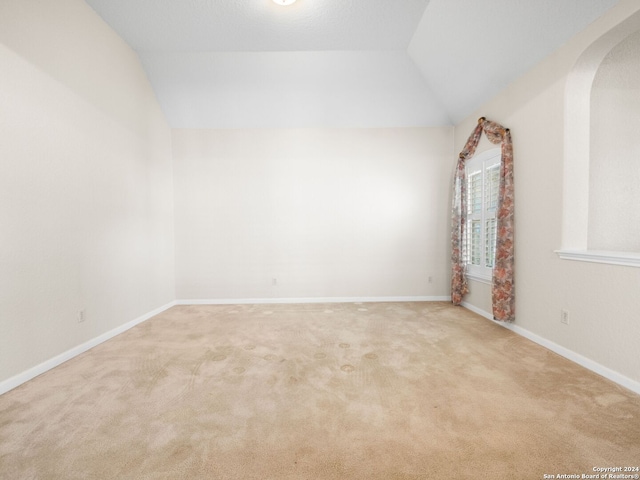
(338, 63)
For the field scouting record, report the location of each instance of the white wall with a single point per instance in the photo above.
(86, 216)
(326, 212)
(602, 300)
(614, 186)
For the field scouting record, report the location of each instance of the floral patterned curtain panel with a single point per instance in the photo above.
(503, 291)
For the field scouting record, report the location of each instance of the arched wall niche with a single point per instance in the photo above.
(577, 154)
(614, 168)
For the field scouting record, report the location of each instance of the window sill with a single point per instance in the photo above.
(479, 278)
(628, 259)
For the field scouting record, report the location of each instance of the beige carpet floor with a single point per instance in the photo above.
(324, 391)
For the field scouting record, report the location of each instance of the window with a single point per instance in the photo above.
(483, 182)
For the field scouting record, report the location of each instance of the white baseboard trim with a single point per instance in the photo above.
(262, 301)
(477, 310)
(47, 365)
(585, 362)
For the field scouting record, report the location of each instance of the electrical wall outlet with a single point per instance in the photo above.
(81, 315)
(564, 317)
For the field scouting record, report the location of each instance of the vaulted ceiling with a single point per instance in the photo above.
(338, 63)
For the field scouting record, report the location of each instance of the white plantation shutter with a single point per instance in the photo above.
(489, 242)
(483, 183)
(491, 188)
(474, 209)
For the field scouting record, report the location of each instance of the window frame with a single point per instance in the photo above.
(480, 163)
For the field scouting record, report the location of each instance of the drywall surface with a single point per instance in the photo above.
(602, 300)
(301, 213)
(327, 89)
(86, 214)
(614, 186)
(446, 44)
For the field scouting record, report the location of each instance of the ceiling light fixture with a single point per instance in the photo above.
(284, 2)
